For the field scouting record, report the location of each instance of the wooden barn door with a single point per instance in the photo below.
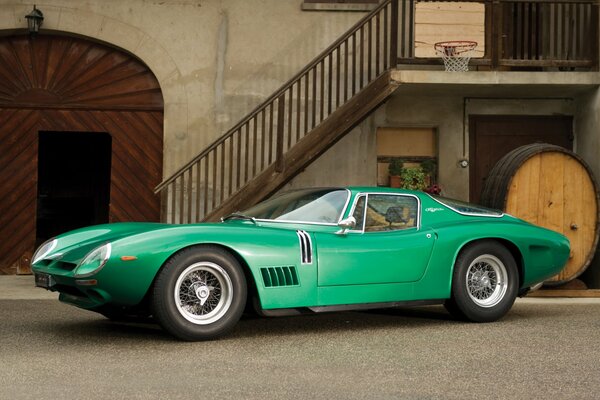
(58, 87)
(494, 136)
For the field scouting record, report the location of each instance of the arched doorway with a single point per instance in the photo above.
(81, 140)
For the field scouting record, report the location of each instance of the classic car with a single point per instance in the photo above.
(309, 250)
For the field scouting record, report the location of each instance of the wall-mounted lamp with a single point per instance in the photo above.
(34, 20)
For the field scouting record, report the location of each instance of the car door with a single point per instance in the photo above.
(388, 245)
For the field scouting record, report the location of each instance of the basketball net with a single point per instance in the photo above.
(456, 54)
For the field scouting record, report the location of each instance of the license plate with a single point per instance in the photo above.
(44, 281)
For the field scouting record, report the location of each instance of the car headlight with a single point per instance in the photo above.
(44, 250)
(93, 262)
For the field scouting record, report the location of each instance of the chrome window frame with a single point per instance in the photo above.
(367, 194)
(468, 214)
(364, 217)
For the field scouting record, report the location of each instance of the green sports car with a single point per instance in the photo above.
(309, 250)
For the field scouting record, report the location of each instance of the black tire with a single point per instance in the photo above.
(210, 288)
(485, 283)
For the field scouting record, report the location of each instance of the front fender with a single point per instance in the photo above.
(148, 252)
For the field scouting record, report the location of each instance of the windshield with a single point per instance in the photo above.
(467, 208)
(306, 205)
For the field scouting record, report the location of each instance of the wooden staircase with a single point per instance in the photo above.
(292, 128)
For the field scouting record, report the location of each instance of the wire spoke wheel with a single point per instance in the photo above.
(203, 293)
(200, 293)
(486, 280)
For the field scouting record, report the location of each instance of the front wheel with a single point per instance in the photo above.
(484, 284)
(200, 293)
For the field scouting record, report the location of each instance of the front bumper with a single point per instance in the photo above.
(83, 293)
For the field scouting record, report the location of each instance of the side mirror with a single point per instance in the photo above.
(346, 224)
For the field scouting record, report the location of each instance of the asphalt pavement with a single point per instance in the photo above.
(544, 348)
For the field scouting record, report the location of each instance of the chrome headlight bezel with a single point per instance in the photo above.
(95, 260)
(45, 249)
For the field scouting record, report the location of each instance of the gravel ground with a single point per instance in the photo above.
(542, 349)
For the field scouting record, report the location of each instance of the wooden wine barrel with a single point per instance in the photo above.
(552, 187)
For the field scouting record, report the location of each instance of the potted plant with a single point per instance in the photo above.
(413, 178)
(395, 169)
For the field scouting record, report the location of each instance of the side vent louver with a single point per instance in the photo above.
(305, 247)
(279, 276)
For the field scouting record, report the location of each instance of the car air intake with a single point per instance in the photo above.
(279, 276)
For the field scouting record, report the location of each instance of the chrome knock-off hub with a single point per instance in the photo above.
(202, 293)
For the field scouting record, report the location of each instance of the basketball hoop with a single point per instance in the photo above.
(455, 53)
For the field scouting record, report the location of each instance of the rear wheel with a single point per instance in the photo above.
(200, 293)
(484, 284)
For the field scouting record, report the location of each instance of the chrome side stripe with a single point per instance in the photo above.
(305, 247)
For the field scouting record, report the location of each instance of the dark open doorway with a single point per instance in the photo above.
(73, 181)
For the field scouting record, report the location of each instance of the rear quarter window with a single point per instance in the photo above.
(463, 207)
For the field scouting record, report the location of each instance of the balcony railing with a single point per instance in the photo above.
(522, 34)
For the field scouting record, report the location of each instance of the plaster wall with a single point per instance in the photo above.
(214, 59)
(353, 159)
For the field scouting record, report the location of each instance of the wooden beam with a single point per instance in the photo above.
(503, 62)
(546, 63)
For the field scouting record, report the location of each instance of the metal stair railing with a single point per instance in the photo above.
(262, 138)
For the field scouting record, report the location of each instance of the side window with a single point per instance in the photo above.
(359, 213)
(390, 212)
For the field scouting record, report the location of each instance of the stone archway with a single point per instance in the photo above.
(55, 83)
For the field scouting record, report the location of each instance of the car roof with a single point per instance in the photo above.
(381, 189)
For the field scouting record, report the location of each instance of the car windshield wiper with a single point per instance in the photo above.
(237, 215)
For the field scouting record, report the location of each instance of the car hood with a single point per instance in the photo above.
(74, 245)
